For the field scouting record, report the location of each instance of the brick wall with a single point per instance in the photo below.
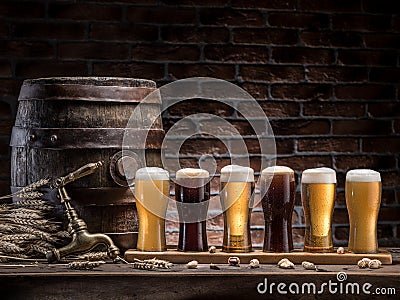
(325, 72)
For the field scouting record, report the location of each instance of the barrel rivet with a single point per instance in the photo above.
(32, 138)
(53, 138)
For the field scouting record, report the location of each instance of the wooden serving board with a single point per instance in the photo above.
(296, 257)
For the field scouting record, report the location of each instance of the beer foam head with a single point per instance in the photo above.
(235, 173)
(318, 175)
(192, 173)
(276, 170)
(152, 173)
(363, 175)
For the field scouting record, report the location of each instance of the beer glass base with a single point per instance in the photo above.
(236, 250)
(363, 252)
(318, 249)
(153, 249)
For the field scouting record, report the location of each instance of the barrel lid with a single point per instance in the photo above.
(109, 89)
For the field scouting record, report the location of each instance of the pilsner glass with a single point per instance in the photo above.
(237, 187)
(318, 190)
(151, 193)
(363, 199)
(192, 190)
(278, 191)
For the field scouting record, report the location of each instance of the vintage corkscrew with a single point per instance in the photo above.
(82, 240)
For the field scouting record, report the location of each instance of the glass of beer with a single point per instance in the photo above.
(151, 193)
(192, 192)
(318, 190)
(278, 191)
(363, 199)
(237, 187)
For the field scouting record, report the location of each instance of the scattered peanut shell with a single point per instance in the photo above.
(234, 261)
(212, 249)
(374, 264)
(285, 264)
(308, 265)
(363, 263)
(340, 250)
(254, 263)
(214, 267)
(192, 264)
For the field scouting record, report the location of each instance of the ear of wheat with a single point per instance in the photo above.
(26, 191)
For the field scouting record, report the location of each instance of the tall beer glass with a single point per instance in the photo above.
(151, 193)
(192, 190)
(363, 199)
(278, 191)
(318, 190)
(237, 187)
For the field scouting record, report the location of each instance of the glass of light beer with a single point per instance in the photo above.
(237, 187)
(151, 193)
(318, 191)
(192, 192)
(278, 189)
(363, 199)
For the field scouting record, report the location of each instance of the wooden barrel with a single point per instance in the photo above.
(64, 123)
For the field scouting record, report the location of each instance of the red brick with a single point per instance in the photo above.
(161, 15)
(93, 51)
(384, 6)
(385, 231)
(361, 127)
(84, 12)
(197, 106)
(208, 3)
(257, 237)
(6, 127)
(4, 187)
(328, 145)
(340, 216)
(142, 70)
(257, 219)
(298, 235)
(258, 91)
(301, 55)
(123, 32)
(272, 73)
(195, 35)
(298, 20)
(301, 91)
(26, 49)
(390, 179)
(367, 57)
(396, 126)
(278, 109)
(341, 233)
(300, 127)
(5, 69)
(10, 87)
(336, 74)
(50, 30)
(36, 68)
(156, 52)
(236, 53)
(380, 40)
(388, 197)
(384, 75)
(226, 72)
(186, 127)
(333, 39)
(390, 109)
(381, 145)
(364, 91)
(203, 147)
(266, 36)
(330, 6)
(360, 23)
(5, 169)
(19, 9)
(226, 128)
(272, 4)
(347, 162)
(389, 214)
(5, 110)
(231, 17)
(334, 109)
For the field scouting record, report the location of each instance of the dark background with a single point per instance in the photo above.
(325, 72)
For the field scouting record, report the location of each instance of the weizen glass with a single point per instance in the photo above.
(237, 187)
(278, 189)
(318, 191)
(363, 199)
(192, 193)
(151, 193)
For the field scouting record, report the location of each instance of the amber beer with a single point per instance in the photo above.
(278, 190)
(237, 187)
(318, 190)
(151, 193)
(192, 193)
(363, 199)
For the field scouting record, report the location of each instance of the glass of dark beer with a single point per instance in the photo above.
(278, 190)
(192, 192)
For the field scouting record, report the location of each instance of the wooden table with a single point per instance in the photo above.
(121, 282)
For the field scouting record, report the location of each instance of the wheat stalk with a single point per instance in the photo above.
(17, 238)
(31, 215)
(93, 256)
(36, 204)
(8, 247)
(26, 191)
